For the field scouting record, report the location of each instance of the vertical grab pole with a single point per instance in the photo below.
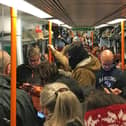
(50, 41)
(92, 39)
(122, 44)
(13, 66)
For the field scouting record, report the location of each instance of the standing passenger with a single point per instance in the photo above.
(84, 65)
(49, 73)
(59, 104)
(25, 113)
(107, 77)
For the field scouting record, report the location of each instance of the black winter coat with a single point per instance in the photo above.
(25, 112)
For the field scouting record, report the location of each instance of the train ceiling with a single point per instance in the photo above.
(83, 12)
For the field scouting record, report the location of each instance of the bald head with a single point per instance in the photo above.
(107, 58)
(4, 61)
(107, 55)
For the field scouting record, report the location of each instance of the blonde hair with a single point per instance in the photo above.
(66, 105)
(48, 95)
(33, 51)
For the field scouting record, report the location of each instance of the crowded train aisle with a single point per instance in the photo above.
(68, 71)
(79, 77)
(85, 73)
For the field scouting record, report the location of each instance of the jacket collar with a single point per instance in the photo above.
(84, 62)
(4, 81)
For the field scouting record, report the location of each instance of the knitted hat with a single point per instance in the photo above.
(76, 53)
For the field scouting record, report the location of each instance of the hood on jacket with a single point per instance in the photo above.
(91, 63)
(76, 54)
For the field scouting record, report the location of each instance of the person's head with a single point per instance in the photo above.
(47, 71)
(73, 85)
(4, 62)
(76, 54)
(34, 56)
(107, 59)
(103, 109)
(48, 96)
(98, 99)
(59, 100)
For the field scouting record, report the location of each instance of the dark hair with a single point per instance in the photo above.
(76, 54)
(73, 85)
(99, 99)
(48, 72)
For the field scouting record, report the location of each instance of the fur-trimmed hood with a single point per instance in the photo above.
(91, 63)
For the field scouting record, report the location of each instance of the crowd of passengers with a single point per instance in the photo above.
(79, 88)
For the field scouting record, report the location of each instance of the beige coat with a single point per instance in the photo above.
(62, 57)
(84, 72)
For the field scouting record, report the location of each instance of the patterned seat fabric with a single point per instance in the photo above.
(114, 115)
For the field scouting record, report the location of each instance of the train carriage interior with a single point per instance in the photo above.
(54, 25)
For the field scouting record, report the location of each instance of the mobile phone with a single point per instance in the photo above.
(106, 87)
(40, 115)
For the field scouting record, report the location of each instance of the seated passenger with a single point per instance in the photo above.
(26, 73)
(59, 104)
(109, 75)
(103, 109)
(25, 112)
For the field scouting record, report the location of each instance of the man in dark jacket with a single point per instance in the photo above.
(25, 115)
(109, 75)
(25, 112)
